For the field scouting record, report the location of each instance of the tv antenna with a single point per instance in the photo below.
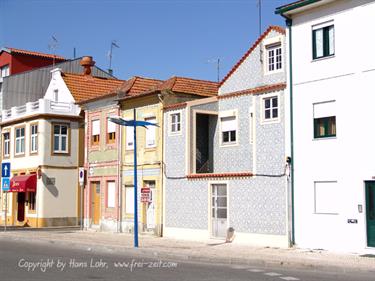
(113, 44)
(259, 6)
(52, 46)
(217, 61)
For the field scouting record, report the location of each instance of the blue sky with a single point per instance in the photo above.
(157, 38)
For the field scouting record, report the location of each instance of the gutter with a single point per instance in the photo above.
(289, 7)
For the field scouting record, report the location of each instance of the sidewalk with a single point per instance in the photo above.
(211, 251)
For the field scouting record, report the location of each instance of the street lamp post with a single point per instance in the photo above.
(133, 123)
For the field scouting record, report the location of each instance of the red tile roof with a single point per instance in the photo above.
(175, 106)
(138, 86)
(35, 54)
(269, 29)
(257, 90)
(87, 88)
(221, 175)
(190, 86)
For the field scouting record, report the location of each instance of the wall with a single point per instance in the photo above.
(347, 78)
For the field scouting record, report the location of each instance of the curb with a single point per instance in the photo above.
(157, 253)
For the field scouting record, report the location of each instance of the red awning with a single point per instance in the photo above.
(24, 183)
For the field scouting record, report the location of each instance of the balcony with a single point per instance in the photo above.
(42, 106)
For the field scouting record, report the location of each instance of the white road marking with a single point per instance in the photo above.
(289, 278)
(272, 274)
(255, 270)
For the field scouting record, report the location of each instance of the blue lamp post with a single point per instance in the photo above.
(133, 123)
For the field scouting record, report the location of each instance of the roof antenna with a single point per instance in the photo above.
(217, 61)
(113, 44)
(259, 5)
(52, 46)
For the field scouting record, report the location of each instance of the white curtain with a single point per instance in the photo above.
(96, 127)
(228, 124)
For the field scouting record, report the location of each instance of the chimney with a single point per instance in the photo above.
(87, 63)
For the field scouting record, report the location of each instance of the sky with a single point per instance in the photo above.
(156, 38)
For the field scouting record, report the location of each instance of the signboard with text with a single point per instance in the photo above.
(145, 195)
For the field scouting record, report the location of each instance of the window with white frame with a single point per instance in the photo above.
(270, 108)
(111, 132)
(4, 71)
(129, 137)
(175, 122)
(95, 132)
(228, 130)
(60, 138)
(129, 200)
(325, 197)
(111, 194)
(6, 144)
(151, 133)
(324, 119)
(274, 57)
(323, 40)
(20, 140)
(33, 138)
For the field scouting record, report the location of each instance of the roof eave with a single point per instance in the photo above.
(289, 9)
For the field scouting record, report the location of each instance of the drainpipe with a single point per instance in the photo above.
(119, 173)
(289, 25)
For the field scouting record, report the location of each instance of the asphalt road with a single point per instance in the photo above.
(27, 261)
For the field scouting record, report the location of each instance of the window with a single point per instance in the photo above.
(271, 108)
(175, 119)
(95, 132)
(129, 137)
(326, 197)
(33, 138)
(30, 200)
(129, 199)
(324, 120)
(56, 95)
(20, 140)
(111, 132)
(60, 138)
(274, 57)
(4, 71)
(228, 130)
(111, 194)
(323, 41)
(6, 144)
(151, 133)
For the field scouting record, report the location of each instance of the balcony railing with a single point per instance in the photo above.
(42, 106)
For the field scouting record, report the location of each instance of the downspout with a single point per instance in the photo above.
(289, 25)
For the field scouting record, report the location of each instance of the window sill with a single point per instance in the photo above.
(325, 138)
(151, 148)
(274, 72)
(19, 155)
(229, 144)
(270, 121)
(323, 58)
(172, 134)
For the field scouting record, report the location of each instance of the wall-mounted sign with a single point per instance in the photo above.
(145, 195)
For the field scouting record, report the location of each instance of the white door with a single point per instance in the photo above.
(151, 210)
(219, 214)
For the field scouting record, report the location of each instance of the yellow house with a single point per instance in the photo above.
(149, 97)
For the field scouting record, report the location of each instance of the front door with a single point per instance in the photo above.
(95, 202)
(219, 210)
(370, 213)
(20, 206)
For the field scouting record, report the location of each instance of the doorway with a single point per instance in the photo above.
(95, 202)
(370, 212)
(20, 206)
(219, 207)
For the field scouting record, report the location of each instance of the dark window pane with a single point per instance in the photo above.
(225, 136)
(267, 103)
(233, 136)
(222, 213)
(221, 190)
(267, 114)
(274, 113)
(274, 102)
(222, 201)
(64, 130)
(56, 129)
(56, 143)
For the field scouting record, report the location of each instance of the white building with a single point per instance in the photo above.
(332, 86)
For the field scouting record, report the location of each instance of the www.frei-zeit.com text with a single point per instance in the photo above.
(61, 264)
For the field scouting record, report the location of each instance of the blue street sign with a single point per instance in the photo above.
(5, 184)
(5, 170)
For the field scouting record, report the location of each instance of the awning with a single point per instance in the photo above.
(24, 183)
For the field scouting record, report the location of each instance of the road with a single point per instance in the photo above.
(22, 260)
